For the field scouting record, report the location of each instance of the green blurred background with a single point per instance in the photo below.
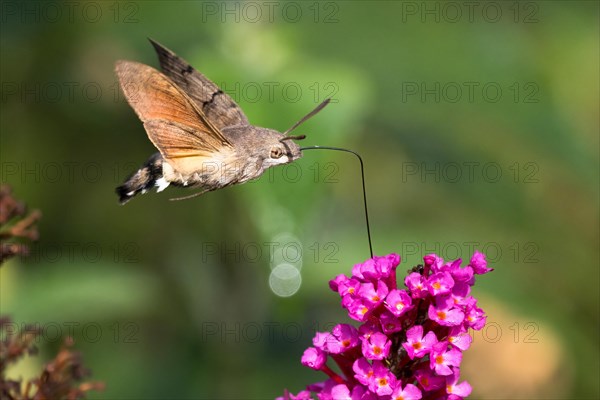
(478, 124)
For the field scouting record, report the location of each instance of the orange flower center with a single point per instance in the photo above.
(437, 285)
(439, 360)
(417, 345)
(377, 350)
(346, 343)
(441, 315)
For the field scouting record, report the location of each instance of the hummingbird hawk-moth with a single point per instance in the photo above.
(203, 137)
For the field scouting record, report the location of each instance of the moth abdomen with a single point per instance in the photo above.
(143, 180)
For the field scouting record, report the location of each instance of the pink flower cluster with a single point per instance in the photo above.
(410, 342)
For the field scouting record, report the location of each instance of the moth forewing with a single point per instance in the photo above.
(218, 107)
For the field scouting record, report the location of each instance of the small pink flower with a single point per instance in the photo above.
(340, 392)
(377, 268)
(459, 338)
(358, 310)
(389, 322)
(440, 283)
(417, 285)
(335, 282)
(428, 380)
(320, 340)
(303, 395)
(314, 358)
(361, 393)
(460, 390)
(416, 345)
(433, 261)
(441, 359)
(363, 371)
(460, 292)
(479, 264)
(386, 265)
(450, 266)
(446, 316)
(367, 329)
(323, 389)
(371, 296)
(398, 302)
(409, 392)
(475, 317)
(366, 270)
(347, 300)
(348, 287)
(343, 337)
(464, 275)
(377, 347)
(383, 381)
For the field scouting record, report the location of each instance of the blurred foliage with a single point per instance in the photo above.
(157, 295)
(60, 378)
(17, 226)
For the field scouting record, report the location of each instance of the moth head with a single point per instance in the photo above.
(286, 150)
(281, 149)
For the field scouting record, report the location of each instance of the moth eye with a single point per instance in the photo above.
(276, 152)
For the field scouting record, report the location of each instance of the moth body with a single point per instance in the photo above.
(203, 137)
(249, 162)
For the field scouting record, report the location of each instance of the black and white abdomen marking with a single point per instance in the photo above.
(150, 175)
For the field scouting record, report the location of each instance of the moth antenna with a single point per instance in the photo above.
(362, 174)
(191, 196)
(292, 137)
(307, 116)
